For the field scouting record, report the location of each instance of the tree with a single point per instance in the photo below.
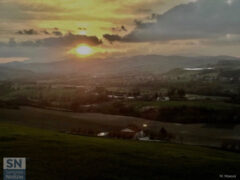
(163, 134)
(171, 92)
(181, 93)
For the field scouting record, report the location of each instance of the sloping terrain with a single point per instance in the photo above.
(153, 64)
(14, 73)
(223, 70)
(52, 155)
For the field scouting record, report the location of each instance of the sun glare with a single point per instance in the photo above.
(84, 50)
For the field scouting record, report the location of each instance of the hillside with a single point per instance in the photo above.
(154, 64)
(61, 156)
(223, 70)
(172, 113)
(14, 73)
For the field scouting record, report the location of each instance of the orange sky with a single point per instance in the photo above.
(33, 28)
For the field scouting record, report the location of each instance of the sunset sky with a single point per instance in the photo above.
(52, 30)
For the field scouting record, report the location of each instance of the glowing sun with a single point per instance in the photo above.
(84, 50)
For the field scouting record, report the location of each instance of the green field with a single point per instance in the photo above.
(214, 105)
(66, 121)
(51, 155)
(198, 134)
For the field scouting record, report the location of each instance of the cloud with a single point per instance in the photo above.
(69, 40)
(11, 59)
(229, 39)
(119, 29)
(123, 28)
(27, 32)
(57, 33)
(12, 42)
(45, 32)
(112, 37)
(195, 20)
(62, 41)
(27, 10)
(82, 28)
(47, 49)
(143, 10)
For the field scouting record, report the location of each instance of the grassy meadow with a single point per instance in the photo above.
(61, 121)
(62, 156)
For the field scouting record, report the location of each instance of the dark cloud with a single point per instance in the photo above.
(12, 42)
(123, 28)
(28, 43)
(45, 32)
(119, 29)
(27, 32)
(195, 20)
(112, 37)
(69, 39)
(62, 41)
(140, 24)
(82, 28)
(115, 29)
(57, 33)
(153, 16)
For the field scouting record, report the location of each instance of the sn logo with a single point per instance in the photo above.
(14, 163)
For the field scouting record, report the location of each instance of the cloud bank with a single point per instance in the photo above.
(64, 41)
(195, 20)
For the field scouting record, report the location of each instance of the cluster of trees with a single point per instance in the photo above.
(191, 114)
(213, 88)
(5, 88)
(8, 105)
(97, 101)
(231, 145)
(162, 134)
(236, 98)
(179, 114)
(175, 93)
(87, 99)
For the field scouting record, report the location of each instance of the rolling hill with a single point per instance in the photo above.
(7, 73)
(153, 64)
(223, 70)
(52, 155)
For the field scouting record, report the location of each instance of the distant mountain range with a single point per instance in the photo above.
(12, 73)
(223, 70)
(151, 64)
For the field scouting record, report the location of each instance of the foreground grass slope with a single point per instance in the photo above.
(51, 155)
